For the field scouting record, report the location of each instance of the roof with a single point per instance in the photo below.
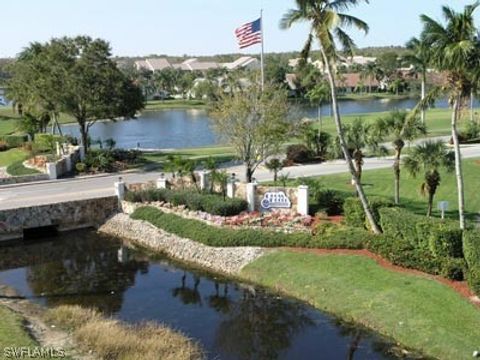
(158, 64)
(353, 80)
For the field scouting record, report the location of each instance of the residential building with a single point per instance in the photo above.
(245, 62)
(153, 64)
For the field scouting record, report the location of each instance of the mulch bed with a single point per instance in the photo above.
(460, 287)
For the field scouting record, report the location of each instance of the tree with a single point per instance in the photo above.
(275, 166)
(419, 58)
(76, 76)
(398, 125)
(254, 122)
(429, 157)
(327, 24)
(455, 50)
(370, 72)
(360, 135)
(319, 94)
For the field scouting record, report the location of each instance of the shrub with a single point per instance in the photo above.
(298, 154)
(471, 250)
(3, 146)
(210, 203)
(355, 215)
(330, 201)
(80, 167)
(400, 223)
(331, 236)
(453, 269)
(445, 241)
(13, 141)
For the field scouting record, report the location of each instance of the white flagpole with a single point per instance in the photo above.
(261, 54)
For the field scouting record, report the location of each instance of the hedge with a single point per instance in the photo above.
(441, 238)
(471, 250)
(355, 215)
(13, 141)
(210, 203)
(351, 238)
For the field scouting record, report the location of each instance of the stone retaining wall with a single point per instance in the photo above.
(64, 215)
(23, 179)
(224, 260)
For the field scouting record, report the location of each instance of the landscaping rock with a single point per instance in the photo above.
(226, 260)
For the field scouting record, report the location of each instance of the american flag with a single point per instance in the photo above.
(249, 34)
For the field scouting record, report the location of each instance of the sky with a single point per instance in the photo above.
(194, 27)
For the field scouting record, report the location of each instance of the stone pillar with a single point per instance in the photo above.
(302, 200)
(231, 187)
(162, 182)
(251, 192)
(81, 150)
(203, 175)
(51, 170)
(69, 162)
(120, 189)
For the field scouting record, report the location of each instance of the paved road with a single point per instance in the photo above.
(90, 187)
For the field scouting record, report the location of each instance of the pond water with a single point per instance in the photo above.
(231, 320)
(173, 129)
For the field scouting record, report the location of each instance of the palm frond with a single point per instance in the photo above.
(352, 21)
(343, 5)
(347, 43)
(291, 17)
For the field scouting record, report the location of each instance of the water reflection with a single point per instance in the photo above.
(231, 320)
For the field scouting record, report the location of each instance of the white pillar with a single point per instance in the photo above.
(231, 187)
(251, 192)
(302, 200)
(81, 150)
(203, 175)
(162, 182)
(51, 170)
(59, 150)
(68, 162)
(120, 189)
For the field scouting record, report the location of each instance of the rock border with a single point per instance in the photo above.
(228, 260)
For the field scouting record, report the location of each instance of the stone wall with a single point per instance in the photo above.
(65, 216)
(221, 259)
(23, 179)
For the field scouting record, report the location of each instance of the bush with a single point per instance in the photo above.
(3, 146)
(471, 250)
(13, 141)
(299, 154)
(453, 269)
(445, 241)
(331, 236)
(80, 167)
(330, 201)
(210, 203)
(355, 215)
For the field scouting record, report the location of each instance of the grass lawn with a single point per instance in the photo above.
(438, 121)
(12, 159)
(219, 153)
(381, 182)
(174, 104)
(373, 96)
(417, 312)
(12, 331)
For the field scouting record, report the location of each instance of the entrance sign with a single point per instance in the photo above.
(275, 200)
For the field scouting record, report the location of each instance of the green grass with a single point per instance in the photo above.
(374, 96)
(219, 153)
(174, 104)
(11, 156)
(381, 182)
(17, 169)
(12, 331)
(417, 312)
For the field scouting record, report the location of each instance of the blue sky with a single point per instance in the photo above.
(192, 27)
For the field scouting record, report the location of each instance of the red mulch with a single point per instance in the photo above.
(460, 287)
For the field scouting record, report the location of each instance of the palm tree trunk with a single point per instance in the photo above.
(458, 163)
(343, 144)
(471, 105)
(424, 90)
(430, 203)
(396, 172)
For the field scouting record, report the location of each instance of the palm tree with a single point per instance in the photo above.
(360, 135)
(369, 72)
(398, 125)
(328, 23)
(419, 58)
(318, 95)
(455, 50)
(429, 157)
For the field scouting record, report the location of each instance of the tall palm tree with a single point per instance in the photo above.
(369, 73)
(328, 21)
(429, 157)
(455, 50)
(401, 128)
(419, 57)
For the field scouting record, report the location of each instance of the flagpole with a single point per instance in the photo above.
(261, 54)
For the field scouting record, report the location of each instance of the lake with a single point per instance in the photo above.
(187, 128)
(231, 320)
